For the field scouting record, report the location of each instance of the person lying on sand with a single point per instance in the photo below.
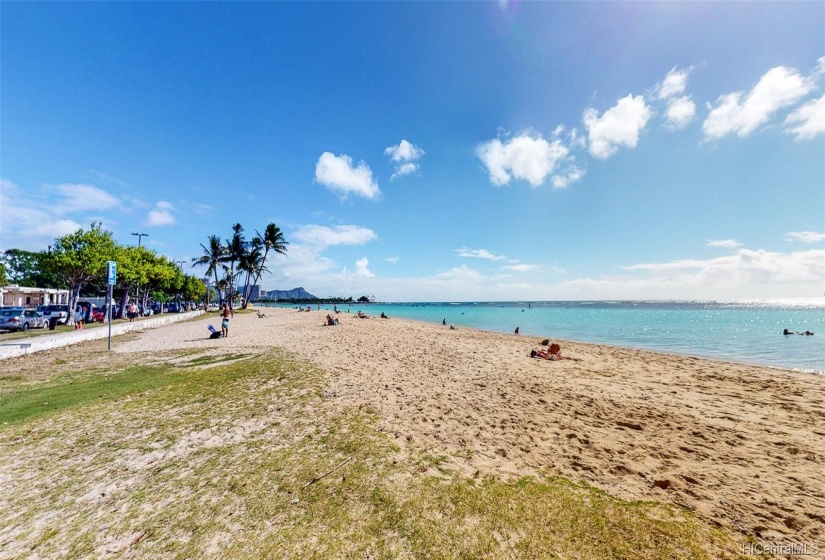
(361, 315)
(553, 353)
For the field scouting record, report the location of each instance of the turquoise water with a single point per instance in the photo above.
(740, 331)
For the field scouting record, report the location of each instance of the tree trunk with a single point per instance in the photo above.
(124, 299)
(74, 297)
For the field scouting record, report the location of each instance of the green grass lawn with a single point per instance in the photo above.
(214, 456)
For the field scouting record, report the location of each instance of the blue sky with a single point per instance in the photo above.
(432, 151)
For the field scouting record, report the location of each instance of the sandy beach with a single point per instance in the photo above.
(743, 446)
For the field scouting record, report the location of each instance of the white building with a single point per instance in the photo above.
(22, 296)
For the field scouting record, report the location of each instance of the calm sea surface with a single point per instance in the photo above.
(741, 331)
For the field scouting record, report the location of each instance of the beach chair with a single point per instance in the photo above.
(213, 332)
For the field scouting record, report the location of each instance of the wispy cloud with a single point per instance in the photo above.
(681, 109)
(745, 266)
(741, 113)
(405, 155)
(340, 175)
(479, 254)
(618, 127)
(108, 178)
(26, 224)
(325, 236)
(520, 267)
(76, 197)
(726, 243)
(805, 236)
(808, 120)
(391, 260)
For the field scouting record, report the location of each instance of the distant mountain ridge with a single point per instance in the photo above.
(295, 293)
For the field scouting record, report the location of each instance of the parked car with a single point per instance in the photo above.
(98, 315)
(61, 312)
(19, 319)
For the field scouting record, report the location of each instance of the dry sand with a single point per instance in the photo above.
(743, 446)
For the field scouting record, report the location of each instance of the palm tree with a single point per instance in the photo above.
(213, 257)
(251, 262)
(235, 250)
(273, 238)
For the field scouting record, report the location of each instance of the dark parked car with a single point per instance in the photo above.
(19, 319)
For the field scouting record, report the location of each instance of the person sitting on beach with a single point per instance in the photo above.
(361, 315)
(516, 330)
(330, 320)
(444, 321)
(383, 316)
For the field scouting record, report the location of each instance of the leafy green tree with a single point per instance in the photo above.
(26, 268)
(80, 257)
(213, 254)
(3, 279)
(132, 271)
(163, 276)
(193, 288)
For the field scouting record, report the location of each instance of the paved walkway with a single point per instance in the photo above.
(24, 346)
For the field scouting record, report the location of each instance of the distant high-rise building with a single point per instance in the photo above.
(254, 292)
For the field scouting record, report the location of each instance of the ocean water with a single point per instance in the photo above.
(739, 331)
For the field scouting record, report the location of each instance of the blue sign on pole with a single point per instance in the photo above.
(111, 273)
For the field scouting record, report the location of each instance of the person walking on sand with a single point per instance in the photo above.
(226, 313)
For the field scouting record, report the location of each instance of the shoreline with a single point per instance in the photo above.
(741, 445)
(668, 352)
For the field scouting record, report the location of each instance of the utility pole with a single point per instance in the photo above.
(140, 236)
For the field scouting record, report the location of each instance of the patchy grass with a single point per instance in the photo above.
(185, 462)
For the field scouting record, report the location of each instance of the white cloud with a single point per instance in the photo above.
(479, 254)
(527, 157)
(680, 112)
(161, 216)
(618, 126)
(404, 151)
(674, 84)
(391, 260)
(726, 243)
(27, 225)
(325, 236)
(805, 236)
(741, 113)
(570, 176)
(82, 197)
(338, 173)
(742, 268)
(808, 120)
(405, 155)
(520, 267)
(361, 267)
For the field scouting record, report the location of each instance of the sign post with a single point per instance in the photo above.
(111, 280)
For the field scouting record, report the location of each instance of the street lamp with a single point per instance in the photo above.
(140, 236)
